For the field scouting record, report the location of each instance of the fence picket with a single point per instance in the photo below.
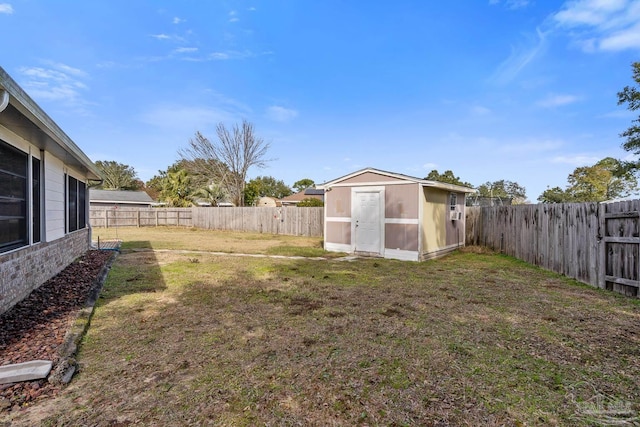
(303, 221)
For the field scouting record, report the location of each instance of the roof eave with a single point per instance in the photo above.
(31, 111)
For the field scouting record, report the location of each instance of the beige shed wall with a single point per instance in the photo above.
(401, 236)
(434, 204)
(338, 232)
(401, 201)
(338, 202)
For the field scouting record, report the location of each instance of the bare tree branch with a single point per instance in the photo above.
(228, 161)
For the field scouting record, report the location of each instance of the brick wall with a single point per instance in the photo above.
(25, 269)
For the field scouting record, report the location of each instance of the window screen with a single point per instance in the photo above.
(13, 198)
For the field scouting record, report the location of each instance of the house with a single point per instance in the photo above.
(378, 213)
(121, 198)
(43, 195)
(308, 193)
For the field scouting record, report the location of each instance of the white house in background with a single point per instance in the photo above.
(43, 195)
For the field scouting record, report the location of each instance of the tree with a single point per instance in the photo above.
(303, 184)
(265, 186)
(310, 202)
(631, 96)
(176, 190)
(117, 176)
(229, 160)
(606, 180)
(505, 190)
(446, 177)
(554, 195)
(213, 193)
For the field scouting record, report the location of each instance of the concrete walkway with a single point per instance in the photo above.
(235, 254)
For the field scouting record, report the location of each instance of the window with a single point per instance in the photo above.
(35, 199)
(453, 201)
(13, 198)
(76, 204)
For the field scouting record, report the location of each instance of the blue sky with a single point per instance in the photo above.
(523, 90)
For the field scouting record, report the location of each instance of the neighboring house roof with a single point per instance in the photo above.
(423, 182)
(309, 193)
(119, 196)
(313, 192)
(29, 121)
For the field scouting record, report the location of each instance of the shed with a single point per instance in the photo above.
(391, 215)
(268, 202)
(43, 195)
(128, 198)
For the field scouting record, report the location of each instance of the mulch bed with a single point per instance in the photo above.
(35, 327)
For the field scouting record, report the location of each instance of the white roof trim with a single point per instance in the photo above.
(405, 178)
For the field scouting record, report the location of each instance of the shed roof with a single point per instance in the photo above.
(24, 117)
(423, 182)
(119, 196)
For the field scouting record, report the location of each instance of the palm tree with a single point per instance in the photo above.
(176, 190)
(213, 193)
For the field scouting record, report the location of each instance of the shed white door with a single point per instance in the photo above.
(368, 221)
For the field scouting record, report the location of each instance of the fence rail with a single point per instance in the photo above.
(597, 244)
(295, 221)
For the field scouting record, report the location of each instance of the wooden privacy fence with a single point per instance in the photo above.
(294, 221)
(594, 243)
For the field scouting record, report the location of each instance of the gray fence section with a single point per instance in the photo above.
(294, 221)
(597, 244)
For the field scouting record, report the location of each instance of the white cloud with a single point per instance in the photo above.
(557, 100)
(58, 82)
(177, 20)
(233, 16)
(608, 25)
(628, 38)
(511, 4)
(589, 12)
(219, 55)
(531, 146)
(186, 50)
(520, 57)
(479, 110)
(185, 120)
(576, 160)
(281, 114)
(161, 36)
(6, 8)
(233, 54)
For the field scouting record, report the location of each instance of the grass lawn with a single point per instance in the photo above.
(470, 339)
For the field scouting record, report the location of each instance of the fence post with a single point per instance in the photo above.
(601, 266)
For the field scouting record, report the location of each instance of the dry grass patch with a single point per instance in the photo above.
(471, 339)
(181, 238)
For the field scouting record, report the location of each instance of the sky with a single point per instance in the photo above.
(521, 90)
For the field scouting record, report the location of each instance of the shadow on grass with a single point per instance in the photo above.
(136, 270)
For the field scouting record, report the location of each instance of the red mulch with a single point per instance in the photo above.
(35, 327)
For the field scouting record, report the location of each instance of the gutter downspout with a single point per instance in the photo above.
(4, 99)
